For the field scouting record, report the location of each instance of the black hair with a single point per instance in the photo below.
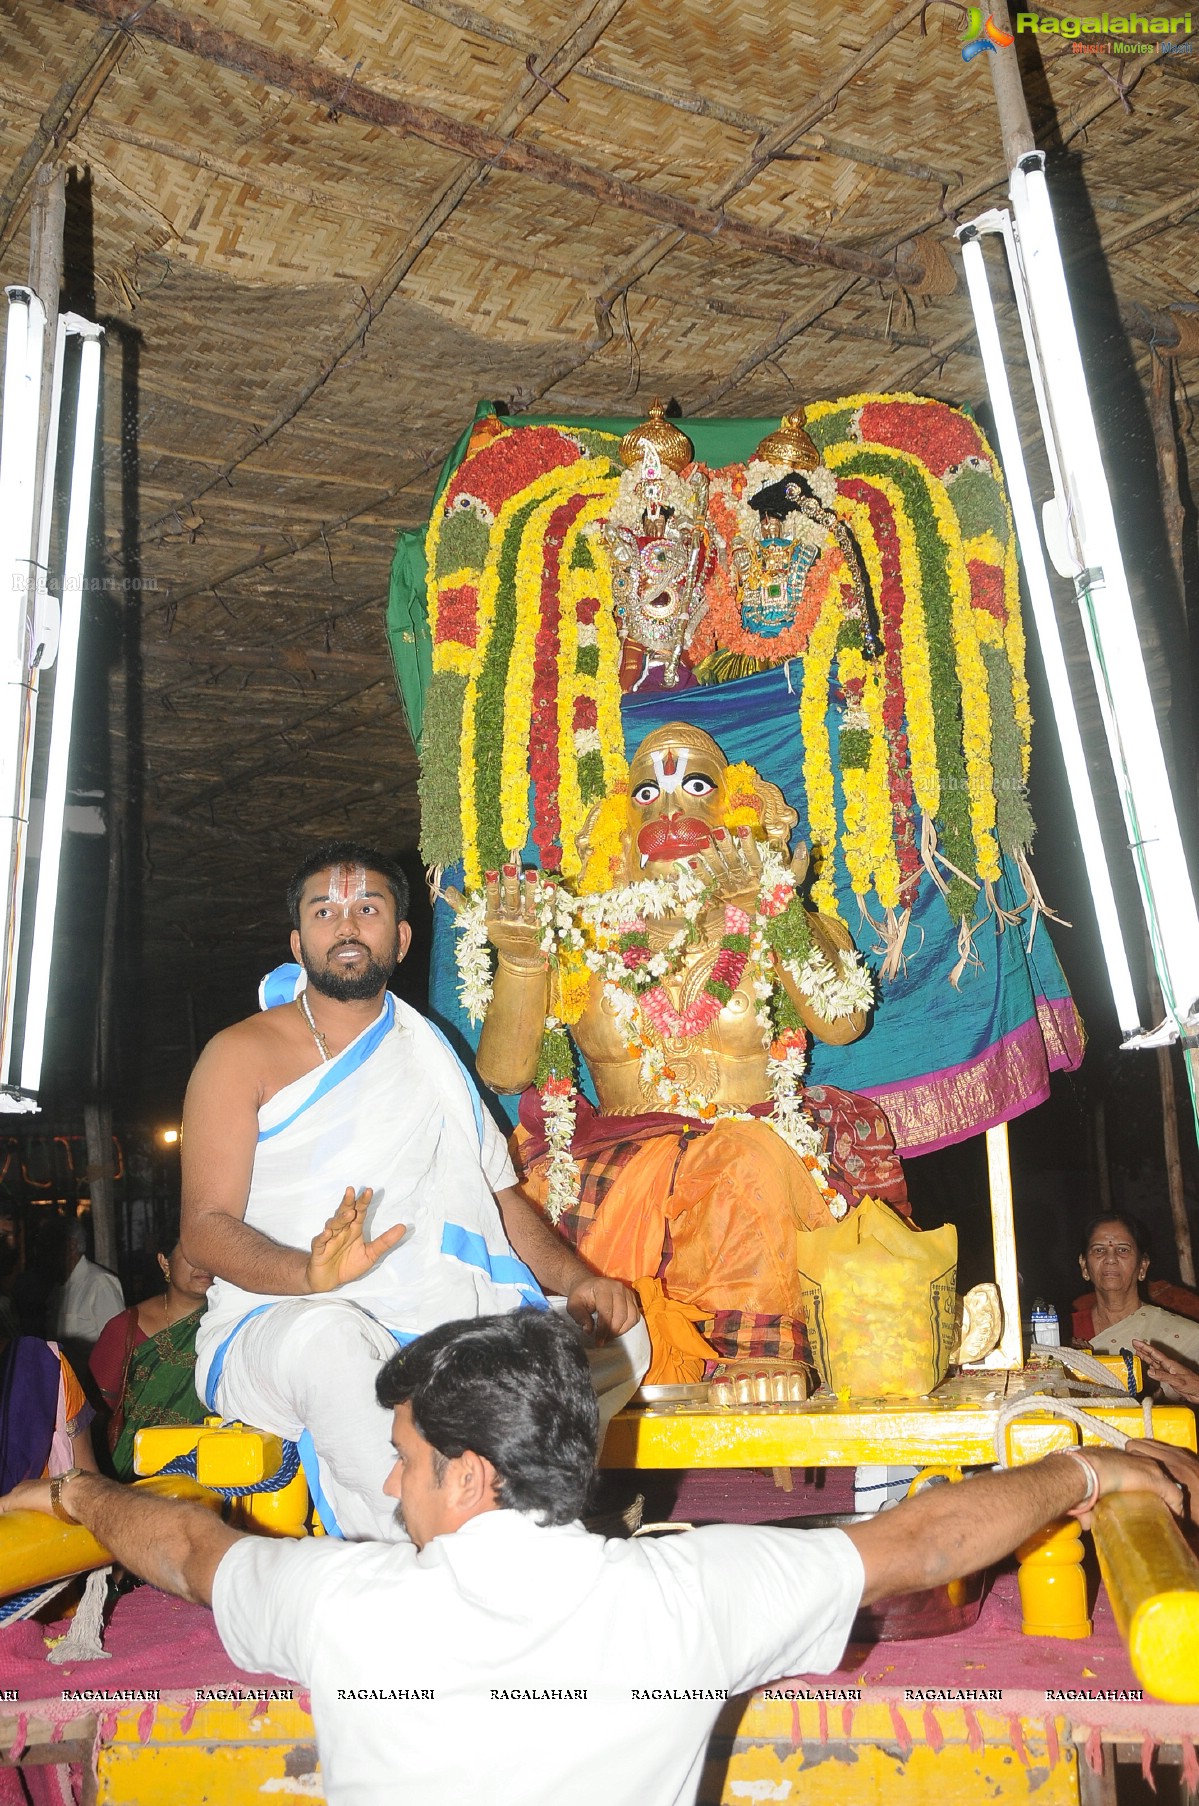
(347, 852)
(1136, 1228)
(779, 499)
(515, 1389)
(164, 1238)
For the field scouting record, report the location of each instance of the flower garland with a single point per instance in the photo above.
(876, 533)
(556, 1087)
(817, 756)
(726, 974)
(930, 587)
(981, 571)
(869, 843)
(591, 759)
(604, 937)
(534, 645)
(537, 655)
(972, 682)
(604, 832)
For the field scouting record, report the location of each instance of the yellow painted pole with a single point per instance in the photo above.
(36, 1550)
(1152, 1580)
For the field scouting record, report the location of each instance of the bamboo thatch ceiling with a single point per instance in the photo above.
(320, 230)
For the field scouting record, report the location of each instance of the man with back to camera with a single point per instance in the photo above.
(339, 1089)
(559, 1650)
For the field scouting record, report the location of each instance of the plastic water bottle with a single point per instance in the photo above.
(1045, 1328)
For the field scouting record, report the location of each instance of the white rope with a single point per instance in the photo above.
(1043, 1404)
(82, 1642)
(1085, 1366)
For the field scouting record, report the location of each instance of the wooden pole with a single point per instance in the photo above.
(1004, 65)
(1161, 413)
(47, 223)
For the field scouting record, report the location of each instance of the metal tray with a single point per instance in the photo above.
(696, 1394)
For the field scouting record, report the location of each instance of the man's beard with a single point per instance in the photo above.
(350, 987)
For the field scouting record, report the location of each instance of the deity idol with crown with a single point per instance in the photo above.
(661, 553)
(780, 545)
(689, 972)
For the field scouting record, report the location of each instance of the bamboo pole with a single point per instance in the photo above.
(1161, 412)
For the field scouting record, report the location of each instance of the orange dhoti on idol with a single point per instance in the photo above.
(703, 1218)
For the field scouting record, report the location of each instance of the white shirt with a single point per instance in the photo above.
(529, 1666)
(90, 1298)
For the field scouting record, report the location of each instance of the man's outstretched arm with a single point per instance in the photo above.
(947, 1531)
(175, 1544)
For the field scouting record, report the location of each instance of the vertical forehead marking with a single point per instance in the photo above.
(670, 780)
(347, 883)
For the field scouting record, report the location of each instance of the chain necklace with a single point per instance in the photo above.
(169, 1322)
(322, 1046)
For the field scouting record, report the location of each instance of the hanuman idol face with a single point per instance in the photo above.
(676, 800)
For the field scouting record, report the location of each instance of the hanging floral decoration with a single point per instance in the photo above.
(906, 652)
(524, 707)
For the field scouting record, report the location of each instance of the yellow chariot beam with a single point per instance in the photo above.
(36, 1550)
(1152, 1580)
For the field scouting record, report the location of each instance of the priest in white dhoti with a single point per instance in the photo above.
(348, 1188)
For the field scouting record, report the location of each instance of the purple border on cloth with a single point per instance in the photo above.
(1013, 1071)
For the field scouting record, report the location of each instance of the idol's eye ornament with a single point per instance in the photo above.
(645, 794)
(698, 785)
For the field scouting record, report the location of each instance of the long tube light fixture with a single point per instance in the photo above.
(1048, 634)
(66, 664)
(36, 630)
(1105, 603)
(18, 460)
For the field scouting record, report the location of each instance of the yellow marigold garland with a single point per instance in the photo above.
(570, 983)
(603, 689)
(869, 838)
(743, 808)
(605, 843)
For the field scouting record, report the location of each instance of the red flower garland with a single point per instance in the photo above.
(543, 723)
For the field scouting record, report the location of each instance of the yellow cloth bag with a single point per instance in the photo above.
(879, 1301)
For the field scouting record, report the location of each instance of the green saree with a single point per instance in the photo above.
(159, 1388)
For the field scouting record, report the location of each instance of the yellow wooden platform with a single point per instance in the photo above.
(952, 1427)
(763, 1749)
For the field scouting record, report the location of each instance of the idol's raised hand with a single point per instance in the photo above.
(511, 902)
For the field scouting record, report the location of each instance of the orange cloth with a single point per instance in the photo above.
(73, 1395)
(680, 1353)
(728, 1205)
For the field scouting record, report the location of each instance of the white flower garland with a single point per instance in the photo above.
(833, 992)
(472, 953)
(592, 923)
